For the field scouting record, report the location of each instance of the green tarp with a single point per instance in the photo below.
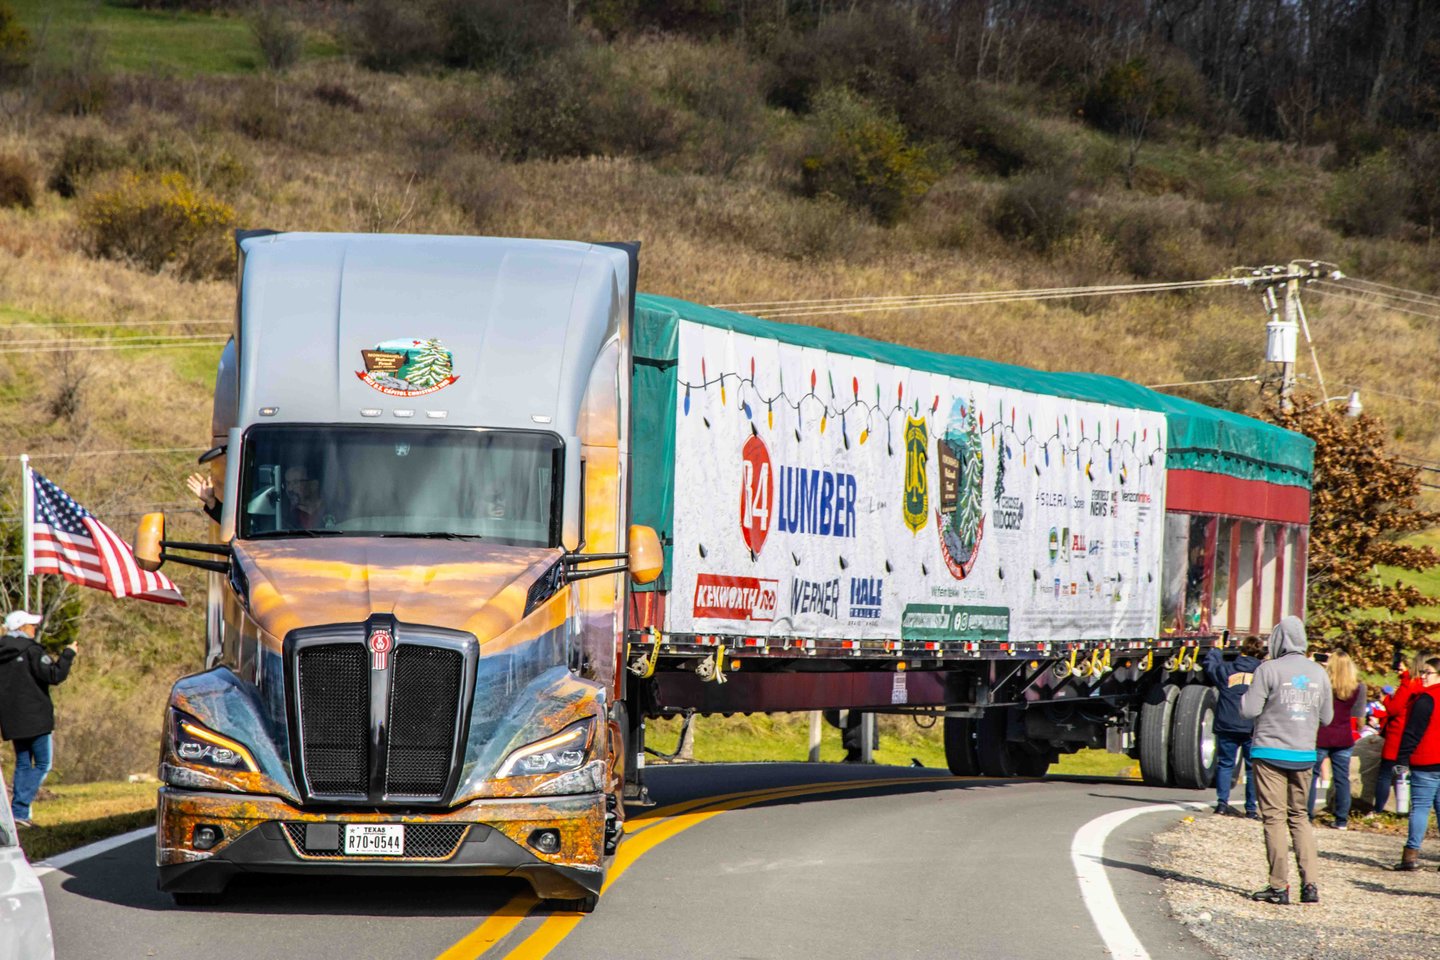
(1200, 437)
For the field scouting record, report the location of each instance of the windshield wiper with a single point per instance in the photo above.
(435, 535)
(272, 534)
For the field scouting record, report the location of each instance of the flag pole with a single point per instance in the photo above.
(27, 509)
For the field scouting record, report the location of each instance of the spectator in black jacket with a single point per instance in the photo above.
(27, 671)
(1232, 731)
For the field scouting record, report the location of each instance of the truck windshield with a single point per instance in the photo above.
(500, 485)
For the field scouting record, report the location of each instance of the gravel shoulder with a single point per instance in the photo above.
(1367, 911)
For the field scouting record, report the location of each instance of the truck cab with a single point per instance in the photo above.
(414, 612)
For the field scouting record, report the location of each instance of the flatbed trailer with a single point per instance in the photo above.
(1040, 558)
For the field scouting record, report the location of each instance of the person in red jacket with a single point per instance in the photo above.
(1395, 706)
(1420, 751)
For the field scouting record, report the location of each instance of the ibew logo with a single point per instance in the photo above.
(866, 597)
(812, 596)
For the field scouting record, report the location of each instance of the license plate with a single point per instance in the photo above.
(375, 839)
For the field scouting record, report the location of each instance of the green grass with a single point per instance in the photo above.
(71, 815)
(183, 44)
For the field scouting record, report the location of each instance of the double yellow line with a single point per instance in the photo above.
(646, 832)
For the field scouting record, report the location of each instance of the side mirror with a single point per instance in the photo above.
(148, 553)
(645, 555)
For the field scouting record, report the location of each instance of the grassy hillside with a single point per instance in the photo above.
(671, 142)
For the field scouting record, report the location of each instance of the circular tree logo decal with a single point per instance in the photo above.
(960, 516)
(408, 367)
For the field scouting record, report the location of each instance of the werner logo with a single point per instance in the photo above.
(866, 597)
(812, 596)
(735, 598)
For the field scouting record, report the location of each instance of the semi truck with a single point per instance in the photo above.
(485, 510)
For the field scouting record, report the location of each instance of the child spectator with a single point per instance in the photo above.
(1232, 731)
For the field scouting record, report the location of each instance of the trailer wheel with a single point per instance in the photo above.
(1193, 756)
(1035, 762)
(960, 755)
(1155, 716)
(998, 757)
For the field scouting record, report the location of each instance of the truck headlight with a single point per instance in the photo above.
(565, 750)
(198, 744)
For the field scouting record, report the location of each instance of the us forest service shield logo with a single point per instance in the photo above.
(408, 367)
(917, 481)
(960, 514)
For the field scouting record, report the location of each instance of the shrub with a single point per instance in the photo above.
(17, 183)
(79, 85)
(337, 95)
(480, 186)
(158, 221)
(881, 53)
(14, 43)
(392, 35)
(81, 157)
(1035, 210)
(860, 155)
(501, 34)
(974, 130)
(547, 113)
(281, 40)
(1369, 199)
(721, 87)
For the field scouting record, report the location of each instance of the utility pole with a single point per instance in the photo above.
(1287, 320)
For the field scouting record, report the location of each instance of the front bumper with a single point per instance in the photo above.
(264, 834)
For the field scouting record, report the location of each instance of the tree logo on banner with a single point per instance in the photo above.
(757, 489)
(917, 481)
(408, 367)
(961, 515)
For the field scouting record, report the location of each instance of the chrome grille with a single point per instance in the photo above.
(334, 714)
(424, 700)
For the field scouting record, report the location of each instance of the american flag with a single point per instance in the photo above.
(67, 539)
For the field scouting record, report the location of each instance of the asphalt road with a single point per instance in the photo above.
(927, 868)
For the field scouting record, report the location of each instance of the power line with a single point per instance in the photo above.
(1372, 303)
(104, 453)
(1196, 383)
(1414, 293)
(85, 341)
(118, 346)
(106, 324)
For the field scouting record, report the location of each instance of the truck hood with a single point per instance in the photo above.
(462, 585)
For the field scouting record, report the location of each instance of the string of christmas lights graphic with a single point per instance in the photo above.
(996, 428)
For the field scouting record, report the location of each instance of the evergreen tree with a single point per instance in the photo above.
(432, 366)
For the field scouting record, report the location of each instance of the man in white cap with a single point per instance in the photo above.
(27, 717)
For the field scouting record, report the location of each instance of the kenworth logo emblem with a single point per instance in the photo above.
(381, 643)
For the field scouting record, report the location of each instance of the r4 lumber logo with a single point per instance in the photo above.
(798, 500)
(735, 598)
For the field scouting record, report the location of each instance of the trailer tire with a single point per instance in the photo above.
(1193, 756)
(998, 757)
(960, 755)
(1035, 761)
(1155, 720)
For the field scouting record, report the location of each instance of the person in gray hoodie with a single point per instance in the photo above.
(1289, 699)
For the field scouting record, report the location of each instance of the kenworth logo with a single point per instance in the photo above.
(735, 598)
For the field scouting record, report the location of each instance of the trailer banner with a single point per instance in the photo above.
(824, 495)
